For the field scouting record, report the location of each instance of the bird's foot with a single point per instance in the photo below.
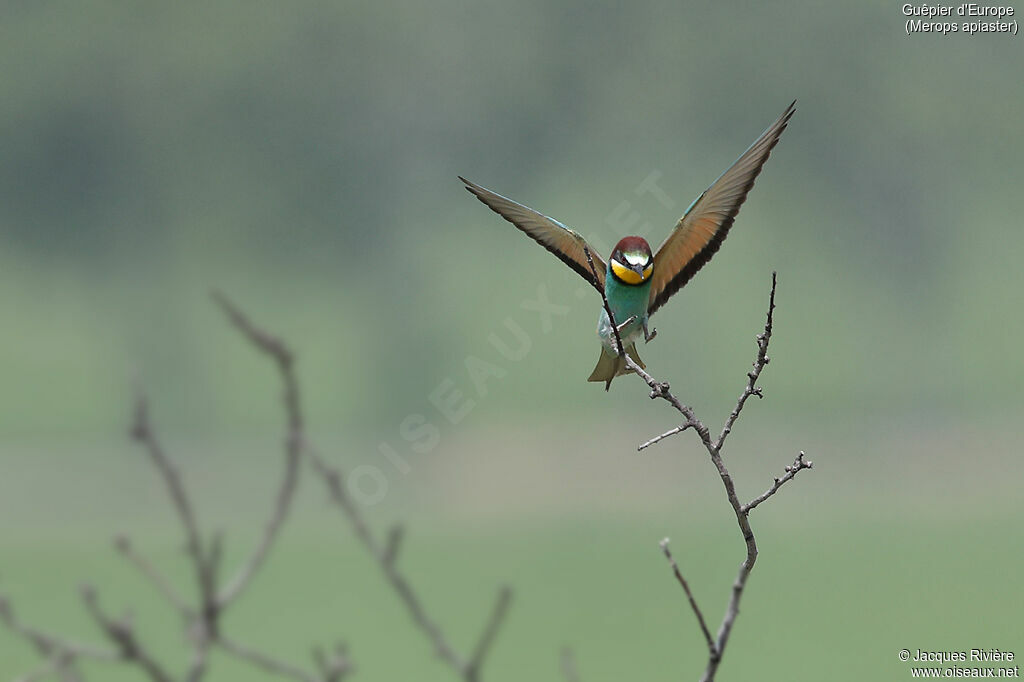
(649, 336)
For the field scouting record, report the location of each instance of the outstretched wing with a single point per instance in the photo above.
(548, 232)
(703, 228)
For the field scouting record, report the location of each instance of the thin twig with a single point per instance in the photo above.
(203, 619)
(394, 543)
(339, 495)
(663, 436)
(424, 622)
(384, 555)
(152, 573)
(338, 666)
(490, 631)
(122, 634)
(201, 652)
(263, 661)
(689, 595)
(413, 605)
(142, 431)
(791, 471)
(759, 364)
(50, 645)
(283, 358)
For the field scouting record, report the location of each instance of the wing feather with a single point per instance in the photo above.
(703, 228)
(567, 245)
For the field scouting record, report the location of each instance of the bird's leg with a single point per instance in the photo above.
(649, 336)
(620, 327)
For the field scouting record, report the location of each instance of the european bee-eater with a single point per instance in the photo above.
(635, 282)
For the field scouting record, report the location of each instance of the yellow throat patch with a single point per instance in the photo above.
(629, 276)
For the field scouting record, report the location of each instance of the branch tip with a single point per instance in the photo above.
(713, 648)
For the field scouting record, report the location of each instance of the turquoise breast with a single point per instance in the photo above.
(625, 300)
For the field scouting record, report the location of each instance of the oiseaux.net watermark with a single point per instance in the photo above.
(960, 663)
(455, 396)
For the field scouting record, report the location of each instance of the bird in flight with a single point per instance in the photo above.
(636, 281)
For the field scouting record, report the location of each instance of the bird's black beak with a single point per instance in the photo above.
(639, 269)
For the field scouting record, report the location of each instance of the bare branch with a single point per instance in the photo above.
(394, 543)
(670, 432)
(335, 668)
(201, 651)
(142, 431)
(385, 554)
(423, 621)
(53, 647)
(791, 471)
(122, 634)
(159, 580)
(660, 389)
(385, 558)
(339, 495)
(689, 595)
(282, 356)
(203, 619)
(490, 632)
(261, 660)
(214, 554)
(716, 645)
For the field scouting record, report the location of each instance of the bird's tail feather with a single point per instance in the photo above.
(610, 365)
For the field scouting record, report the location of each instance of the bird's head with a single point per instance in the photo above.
(631, 261)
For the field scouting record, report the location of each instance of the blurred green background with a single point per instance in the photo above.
(303, 157)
